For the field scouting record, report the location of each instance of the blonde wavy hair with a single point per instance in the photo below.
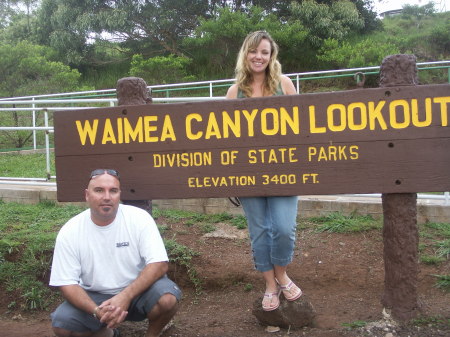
(244, 76)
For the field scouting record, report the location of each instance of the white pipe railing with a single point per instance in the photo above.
(211, 83)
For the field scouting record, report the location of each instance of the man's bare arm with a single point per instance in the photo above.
(78, 297)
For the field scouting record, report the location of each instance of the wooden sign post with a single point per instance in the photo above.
(400, 231)
(131, 91)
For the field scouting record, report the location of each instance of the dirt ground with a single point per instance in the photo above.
(342, 276)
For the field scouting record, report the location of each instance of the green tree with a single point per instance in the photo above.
(364, 53)
(366, 10)
(145, 27)
(216, 42)
(426, 36)
(161, 69)
(63, 28)
(340, 20)
(336, 21)
(27, 69)
(17, 19)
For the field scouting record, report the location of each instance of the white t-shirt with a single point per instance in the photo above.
(106, 259)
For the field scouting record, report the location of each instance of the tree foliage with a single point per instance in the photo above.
(28, 69)
(216, 42)
(201, 39)
(17, 20)
(336, 21)
(141, 26)
(364, 53)
(161, 69)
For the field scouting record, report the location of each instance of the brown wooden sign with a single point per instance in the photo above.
(384, 140)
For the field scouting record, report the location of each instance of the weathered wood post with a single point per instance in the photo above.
(133, 91)
(400, 231)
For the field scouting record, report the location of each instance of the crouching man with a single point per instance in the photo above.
(110, 265)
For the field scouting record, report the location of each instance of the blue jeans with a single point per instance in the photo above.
(272, 225)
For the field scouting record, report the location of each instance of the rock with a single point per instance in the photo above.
(293, 315)
(272, 329)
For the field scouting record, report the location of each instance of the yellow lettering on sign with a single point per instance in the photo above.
(274, 119)
(272, 122)
(333, 153)
(233, 125)
(358, 116)
(443, 101)
(149, 128)
(361, 107)
(133, 134)
(212, 128)
(250, 121)
(376, 116)
(121, 130)
(342, 117)
(272, 156)
(167, 131)
(293, 121)
(310, 178)
(191, 135)
(185, 159)
(312, 121)
(87, 130)
(108, 133)
(405, 115)
(224, 181)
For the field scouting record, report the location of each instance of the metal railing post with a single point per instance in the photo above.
(47, 145)
(34, 124)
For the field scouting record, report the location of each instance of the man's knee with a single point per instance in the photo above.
(167, 303)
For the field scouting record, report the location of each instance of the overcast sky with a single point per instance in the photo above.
(387, 5)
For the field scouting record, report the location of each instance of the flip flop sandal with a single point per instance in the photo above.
(290, 291)
(270, 298)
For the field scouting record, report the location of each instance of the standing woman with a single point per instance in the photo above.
(271, 220)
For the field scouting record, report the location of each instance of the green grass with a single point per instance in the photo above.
(204, 221)
(354, 325)
(431, 321)
(434, 246)
(26, 166)
(27, 239)
(182, 256)
(339, 223)
(443, 282)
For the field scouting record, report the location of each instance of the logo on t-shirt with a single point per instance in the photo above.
(122, 244)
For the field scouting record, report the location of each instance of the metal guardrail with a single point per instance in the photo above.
(53, 102)
(210, 85)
